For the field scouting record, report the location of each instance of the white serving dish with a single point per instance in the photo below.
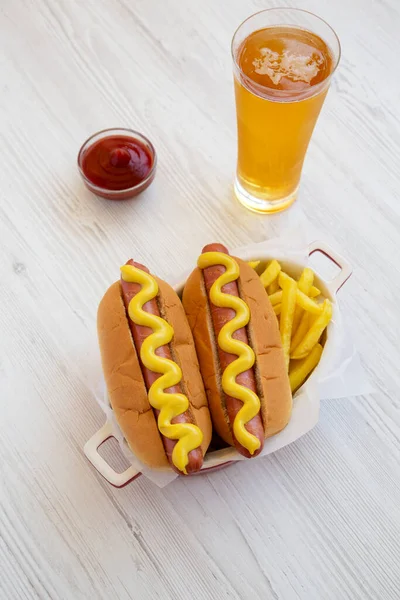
(221, 458)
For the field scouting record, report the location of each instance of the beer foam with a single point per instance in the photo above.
(297, 67)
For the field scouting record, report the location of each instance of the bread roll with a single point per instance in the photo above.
(270, 370)
(124, 379)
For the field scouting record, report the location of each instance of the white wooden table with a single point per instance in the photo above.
(319, 519)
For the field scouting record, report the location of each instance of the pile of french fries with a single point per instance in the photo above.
(303, 317)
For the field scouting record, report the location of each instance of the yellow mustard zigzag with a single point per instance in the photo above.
(170, 405)
(245, 355)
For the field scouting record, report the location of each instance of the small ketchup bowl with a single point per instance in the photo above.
(117, 164)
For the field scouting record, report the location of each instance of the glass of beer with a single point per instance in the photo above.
(283, 61)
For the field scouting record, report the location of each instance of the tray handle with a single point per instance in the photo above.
(91, 451)
(344, 266)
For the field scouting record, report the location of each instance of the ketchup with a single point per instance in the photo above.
(117, 162)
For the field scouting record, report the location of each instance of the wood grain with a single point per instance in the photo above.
(317, 520)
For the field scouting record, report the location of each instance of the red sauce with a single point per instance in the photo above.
(117, 162)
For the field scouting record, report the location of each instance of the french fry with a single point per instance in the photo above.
(276, 298)
(302, 300)
(314, 292)
(307, 304)
(271, 273)
(314, 333)
(301, 331)
(300, 369)
(306, 280)
(277, 309)
(273, 287)
(304, 285)
(254, 263)
(287, 312)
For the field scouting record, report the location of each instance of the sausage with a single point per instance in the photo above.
(221, 316)
(139, 334)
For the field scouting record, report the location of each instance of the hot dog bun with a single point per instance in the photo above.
(270, 370)
(124, 379)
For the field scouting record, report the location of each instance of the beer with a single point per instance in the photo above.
(281, 81)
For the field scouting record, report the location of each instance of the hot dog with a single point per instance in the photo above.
(167, 425)
(248, 389)
(139, 334)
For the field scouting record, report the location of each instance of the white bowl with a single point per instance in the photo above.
(222, 458)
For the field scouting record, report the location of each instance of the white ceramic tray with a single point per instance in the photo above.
(222, 458)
